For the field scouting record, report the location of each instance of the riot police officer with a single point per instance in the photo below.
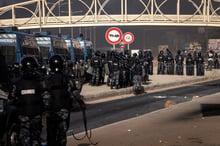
(179, 63)
(115, 72)
(170, 63)
(137, 70)
(96, 64)
(150, 59)
(26, 97)
(199, 65)
(128, 65)
(144, 76)
(216, 62)
(71, 74)
(210, 60)
(124, 73)
(189, 65)
(160, 59)
(109, 72)
(102, 68)
(133, 58)
(58, 98)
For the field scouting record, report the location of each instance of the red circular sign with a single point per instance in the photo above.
(122, 44)
(128, 37)
(113, 35)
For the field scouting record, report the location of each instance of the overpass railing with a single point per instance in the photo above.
(39, 14)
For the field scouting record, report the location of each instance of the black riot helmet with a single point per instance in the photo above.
(140, 52)
(103, 55)
(135, 54)
(97, 53)
(56, 63)
(70, 64)
(28, 63)
(15, 66)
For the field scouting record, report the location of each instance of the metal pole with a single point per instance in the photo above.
(85, 30)
(204, 10)
(90, 34)
(152, 10)
(13, 15)
(208, 7)
(59, 16)
(40, 13)
(43, 7)
(126, 5)
(178, 11)
(72, 32)
(94, 38)
(80, 30)
(96, 11)
(70, 11)
(122, 9)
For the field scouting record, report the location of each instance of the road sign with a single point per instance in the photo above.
(113, 35)
(122, 44)
(128, 37)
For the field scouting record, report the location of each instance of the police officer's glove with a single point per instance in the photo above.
(79, 99)
(82, 104)
(46, 98)
(12, 101)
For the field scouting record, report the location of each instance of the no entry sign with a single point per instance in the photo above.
(122, 44)
(128, 37)
(113, 35)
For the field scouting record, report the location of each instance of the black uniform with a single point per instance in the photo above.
(110, 58)
(210, 60)
(115, 73)
(200, 65)
(26, 97)
(128, 65)
(59, 108)
(179, 63)
(189, 65)
(216, 62)
(126, 72)
(102, 68)
(137, 69)
(145, 64)
(170, 63)
(150, 59)
(160, 59)
(57, 102)
(96, 63)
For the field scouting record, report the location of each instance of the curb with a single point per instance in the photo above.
(129, 90)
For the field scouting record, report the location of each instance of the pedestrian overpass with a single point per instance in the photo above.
(43, 14)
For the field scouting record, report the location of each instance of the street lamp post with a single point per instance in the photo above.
(59, 16)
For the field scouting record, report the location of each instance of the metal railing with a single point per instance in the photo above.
(42, 14)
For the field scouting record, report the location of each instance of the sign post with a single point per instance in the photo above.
(113, 36)
(128, 38)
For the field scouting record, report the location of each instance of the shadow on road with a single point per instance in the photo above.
(210, 109)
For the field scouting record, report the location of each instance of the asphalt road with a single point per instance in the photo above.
(113, 111)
